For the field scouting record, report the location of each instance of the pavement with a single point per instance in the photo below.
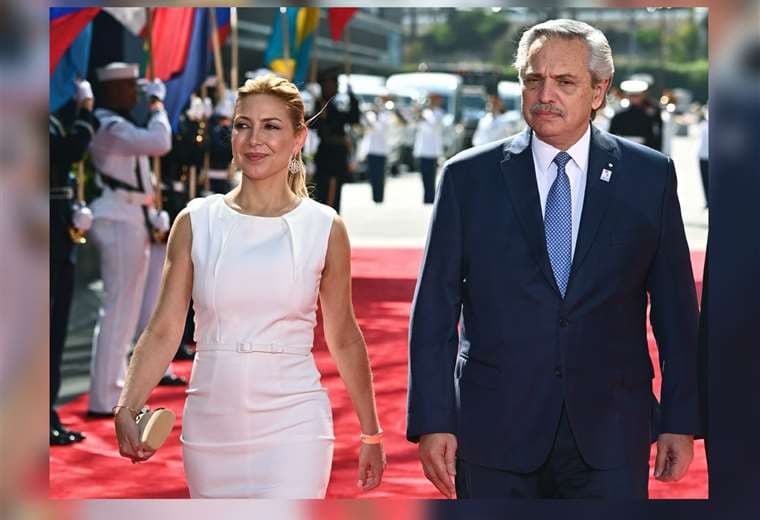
(400, 221)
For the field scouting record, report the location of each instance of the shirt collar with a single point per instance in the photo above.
(544, 153)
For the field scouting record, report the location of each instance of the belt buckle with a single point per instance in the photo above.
(244, 347)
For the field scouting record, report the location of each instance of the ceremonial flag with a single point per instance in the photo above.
(339, 18)
(66, 23)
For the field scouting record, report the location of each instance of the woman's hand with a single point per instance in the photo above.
(371, 466)
(128, 436)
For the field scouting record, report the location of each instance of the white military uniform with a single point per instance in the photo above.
(428, 142)
(493, 127)
(120, 150)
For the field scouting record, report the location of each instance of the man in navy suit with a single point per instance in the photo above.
(529, 369)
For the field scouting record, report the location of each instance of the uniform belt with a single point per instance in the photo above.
(62, 193)
(134, 198)
(126, 192)
(244, 347)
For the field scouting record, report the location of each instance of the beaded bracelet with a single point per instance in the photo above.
(376, 438)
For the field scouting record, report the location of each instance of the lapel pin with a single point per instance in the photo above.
(606, 174)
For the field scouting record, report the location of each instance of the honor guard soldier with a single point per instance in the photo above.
(125, 221)
(333, 153)
(640, 121)
(71, 128)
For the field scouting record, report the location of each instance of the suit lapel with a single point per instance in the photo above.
(519, 174)
(603, 155)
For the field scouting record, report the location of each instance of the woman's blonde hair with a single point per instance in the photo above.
(286, 91)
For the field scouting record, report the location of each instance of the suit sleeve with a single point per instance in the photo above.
(674, 317)
(433, 336)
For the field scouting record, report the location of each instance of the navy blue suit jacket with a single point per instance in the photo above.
(495, 350)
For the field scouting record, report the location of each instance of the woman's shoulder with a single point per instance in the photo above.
(200, 203)
(315, 207)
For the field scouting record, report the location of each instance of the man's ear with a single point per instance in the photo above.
(600, 90)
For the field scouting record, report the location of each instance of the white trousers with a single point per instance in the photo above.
(124, 257)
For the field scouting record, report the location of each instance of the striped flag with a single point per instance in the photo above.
(66, 23)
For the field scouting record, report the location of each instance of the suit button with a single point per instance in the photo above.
(563, 322)
(558, 372)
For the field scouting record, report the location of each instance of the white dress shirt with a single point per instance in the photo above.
(428, 142)
(377, 130)
(576, 169)
(492, 127)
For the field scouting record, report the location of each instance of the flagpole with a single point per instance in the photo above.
(220, 87)
(347, 55)
(234, 54)
(233, 71)
(207, 152)
(151, 70)
(314, 52)
(285, 40)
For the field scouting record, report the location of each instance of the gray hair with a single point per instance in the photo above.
(600, 63)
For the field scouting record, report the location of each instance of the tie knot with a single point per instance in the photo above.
(561, 159)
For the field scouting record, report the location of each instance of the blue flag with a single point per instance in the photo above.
(72, 64)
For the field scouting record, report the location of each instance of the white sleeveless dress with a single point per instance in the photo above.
(257, 423)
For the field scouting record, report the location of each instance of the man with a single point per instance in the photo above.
(496, 123)
(548, 244)
(640, 121)
(125, 221)
(333, 153)
(71, 128)
(428, 144)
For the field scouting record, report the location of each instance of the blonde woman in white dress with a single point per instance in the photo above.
(257, 422)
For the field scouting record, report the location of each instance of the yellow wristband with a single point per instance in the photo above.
(376, 438)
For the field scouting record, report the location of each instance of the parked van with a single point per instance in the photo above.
(449, 87)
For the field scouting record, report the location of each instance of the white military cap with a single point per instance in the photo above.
(634, 86)
(118, 70)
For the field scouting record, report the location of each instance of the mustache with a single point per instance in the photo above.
(541, 107)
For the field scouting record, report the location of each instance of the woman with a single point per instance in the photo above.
(257, 422)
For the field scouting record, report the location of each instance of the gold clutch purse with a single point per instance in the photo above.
(155, 426)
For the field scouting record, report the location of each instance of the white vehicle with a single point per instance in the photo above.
(449, 87)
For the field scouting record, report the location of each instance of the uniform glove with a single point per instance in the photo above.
(155, 88)
(160, 220)
(84, 90)
(82, 218)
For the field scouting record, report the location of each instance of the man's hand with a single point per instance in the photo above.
(155, 89)
(674, 455)
(438, 456)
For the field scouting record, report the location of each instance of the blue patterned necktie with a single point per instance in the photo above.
(558, 224)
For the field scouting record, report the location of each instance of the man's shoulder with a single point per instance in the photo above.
(488, 153)
(110, 120)
(633, 150)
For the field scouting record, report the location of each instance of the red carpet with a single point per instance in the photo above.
(383, 286)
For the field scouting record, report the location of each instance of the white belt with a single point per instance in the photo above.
(244, 347)
(136, 198)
